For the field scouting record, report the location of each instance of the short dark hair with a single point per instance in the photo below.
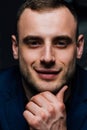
(42, 5)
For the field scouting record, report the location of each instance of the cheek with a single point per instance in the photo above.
(28, 56)
(68, 57)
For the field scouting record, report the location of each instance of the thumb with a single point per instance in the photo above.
(60, 94)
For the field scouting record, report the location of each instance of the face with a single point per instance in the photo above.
(47, 48)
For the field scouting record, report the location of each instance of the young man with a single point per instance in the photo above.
(46, 88)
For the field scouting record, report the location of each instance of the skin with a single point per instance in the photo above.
(46, 111)
(47, 52)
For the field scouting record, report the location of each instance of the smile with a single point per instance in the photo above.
(47, 74)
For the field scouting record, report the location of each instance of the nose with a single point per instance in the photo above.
(48, 57)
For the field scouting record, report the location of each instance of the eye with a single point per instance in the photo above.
(61, 43)
(33, 43)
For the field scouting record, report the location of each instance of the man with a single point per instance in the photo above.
(46, 89)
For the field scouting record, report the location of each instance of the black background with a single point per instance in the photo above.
(8, 10)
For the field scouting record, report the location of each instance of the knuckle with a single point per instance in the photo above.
(43, 115)
(28, 105)
(36, 123)
(25, 113)
(62, 106)
(51, 109)
(34, 98)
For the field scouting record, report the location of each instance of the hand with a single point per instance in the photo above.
(46, 111)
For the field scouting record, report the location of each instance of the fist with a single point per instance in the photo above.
(46, 111)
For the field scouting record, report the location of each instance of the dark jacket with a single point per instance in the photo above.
(13, 101)
(77, 108)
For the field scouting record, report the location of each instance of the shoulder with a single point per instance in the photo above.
(9, 82)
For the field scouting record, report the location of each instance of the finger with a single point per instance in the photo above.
(40, 101)
(60, 94)
(49, 96)
(37, 110)
(33, 108)
(30, 118)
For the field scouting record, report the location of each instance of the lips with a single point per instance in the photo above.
(47, 74)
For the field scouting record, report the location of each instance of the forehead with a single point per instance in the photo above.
(49, 10)
(64, 10)
(54, 19)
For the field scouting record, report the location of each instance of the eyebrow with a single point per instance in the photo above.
(38, 38)
(64, 37)
(29, 38)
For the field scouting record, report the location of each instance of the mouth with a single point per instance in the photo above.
(47, 74)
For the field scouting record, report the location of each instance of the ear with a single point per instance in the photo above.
(14, 46)
(80, 46)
